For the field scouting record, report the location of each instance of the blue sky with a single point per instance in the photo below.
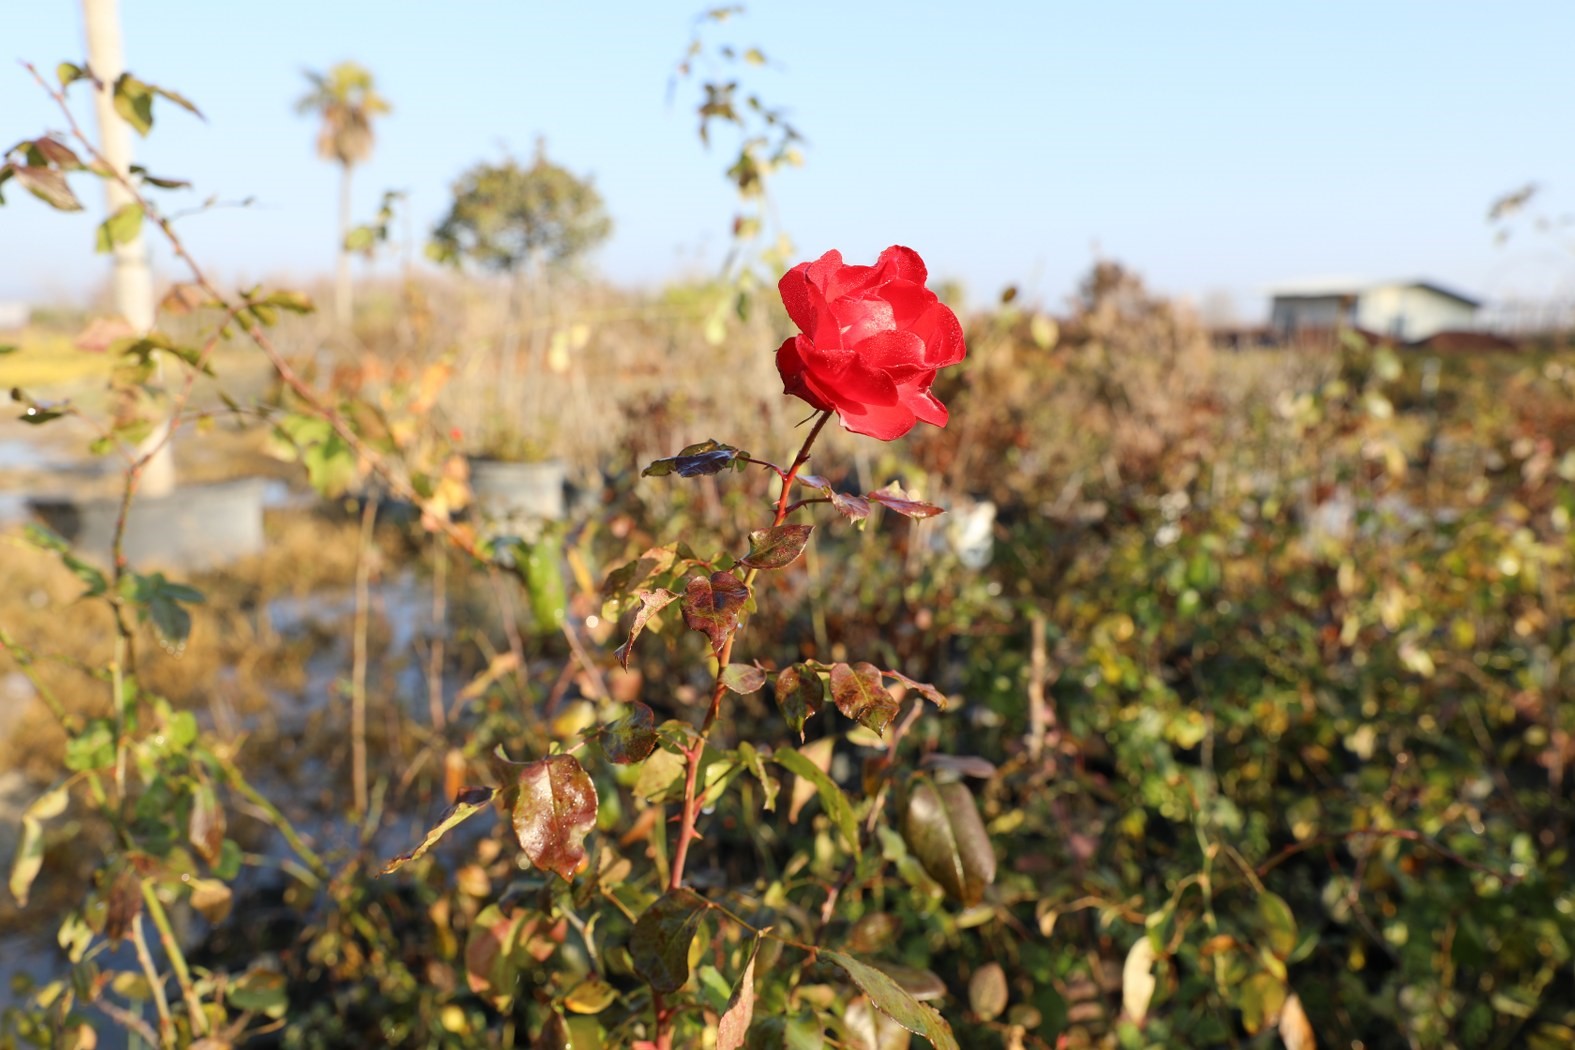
(1215, 147)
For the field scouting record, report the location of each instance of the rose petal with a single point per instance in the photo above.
(859, 319)
(901, 355)
(927, 407)
(808, 308)
(908, 301)
(884, 422)
(902, 263)
(791, 367)
(943, 336)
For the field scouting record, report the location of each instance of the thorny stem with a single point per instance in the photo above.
(695, 752)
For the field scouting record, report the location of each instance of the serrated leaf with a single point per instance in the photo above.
(711, 605)
(776, 547)
(555, 810)
(734, 1025)
(48, 185)
(743, 679)
(924, 689)
(890, 999)
(831, 796)
(859, 694)
(894, 500)
(942, 827)
(854, 508)
(632, 738)
(468, 803)
(706, 457)
(120, 228)
(799, 694)
(651, 603)
(662, 935)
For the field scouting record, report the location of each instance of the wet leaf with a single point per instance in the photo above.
(743, 679)
(799, 692)
(632, 738)
(707, 457)
(48, 185)
(662, 937)
(556, 809)
(831, 796)
(651, 603)
(711, 605)
(987, 991)
(470, 801)
(942, 827)
(859, 694)
(776, 547)
(734, 1026)
(890, 999)
(120, 228)
(893, 499)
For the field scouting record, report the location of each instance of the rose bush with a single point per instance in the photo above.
(872, 340)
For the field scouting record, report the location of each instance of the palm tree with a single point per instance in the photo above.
(346, 100)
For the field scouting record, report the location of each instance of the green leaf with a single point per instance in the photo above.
(160, 601)
(69, 73)
(651, 603)
(180, 100)
(119, 228)
(1278, 922)
(43, 539)
(630, 739)
(662, 937)
(29, 858)
(752, 761)
(8, 348)
(890, 999)
(859, 694)
(799, 692)
(261, 991)
(1260, 997)
(134, 102)
(743, 679)
(48, 185)
(776, 547)
(556, 809)
(942, 827)
(471, 800)
(711, 605)
(734, 1025)
(831, 796)
(706, 457)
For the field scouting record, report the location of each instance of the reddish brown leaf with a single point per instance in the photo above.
(924, 689)
(123, 903)
(48, 185)
(556, 809)
(651, 602)
(943, 829)
(205, 829)
(734, 1026)
(854, 508)
(859, 694)
(52, 151)
(776, 547)
(711, 605)
(893, 499)
(800, 693)
(662, 936)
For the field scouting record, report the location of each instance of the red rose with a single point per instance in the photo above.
(873, 339)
